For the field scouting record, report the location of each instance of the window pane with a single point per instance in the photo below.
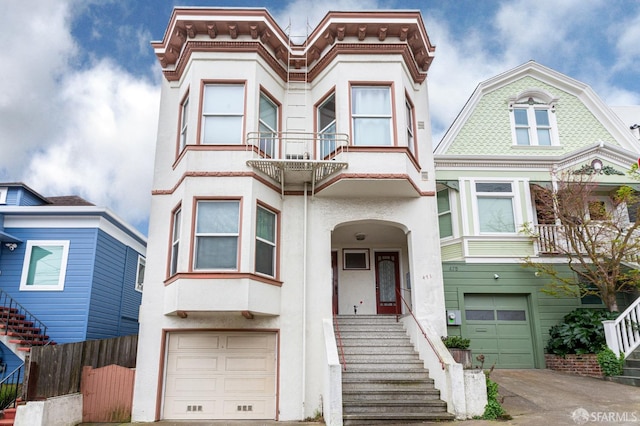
(443, 201)
(520, 116)
(265, 254)
(266, 225)
(356, 260)
(507, 315)
(371, 101)
(493, 187)
(216, 253)
(45, 265)
(522, 136)
(479, 315)
(222, 130)
(544, 137)
(496, 215)
(372, 131)
(218, 217)
(174, 258)
(223, 99)
(327, 115)
(268, 113)
(445, 225)
(542, 117)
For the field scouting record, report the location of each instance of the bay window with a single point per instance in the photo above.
(371, 114)
(217, 232)
(265, 262)
(175, 242)
(222, 114)
(495, 207)
(327, 126)
(268, 125)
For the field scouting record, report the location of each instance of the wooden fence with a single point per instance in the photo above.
(56, 370)
(107, 394)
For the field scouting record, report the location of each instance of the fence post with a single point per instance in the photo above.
(611, 336)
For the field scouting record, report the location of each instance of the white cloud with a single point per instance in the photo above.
(63, 130)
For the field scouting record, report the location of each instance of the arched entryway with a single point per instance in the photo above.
(370, 268)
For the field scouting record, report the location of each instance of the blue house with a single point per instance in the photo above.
(69, 272)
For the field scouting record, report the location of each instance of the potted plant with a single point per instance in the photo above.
(459, 348)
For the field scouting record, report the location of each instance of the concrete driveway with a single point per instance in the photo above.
(532, 398)
(546, 397)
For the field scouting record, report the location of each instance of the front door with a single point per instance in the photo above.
(387, 282)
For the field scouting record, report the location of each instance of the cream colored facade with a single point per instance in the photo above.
(334, 218)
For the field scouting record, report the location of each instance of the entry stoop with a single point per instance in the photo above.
(631, 371)
(385, 381)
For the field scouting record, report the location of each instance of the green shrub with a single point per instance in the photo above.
(581, 332)
(8, 394)
(493, 410)
(456, 342)
(610, 364)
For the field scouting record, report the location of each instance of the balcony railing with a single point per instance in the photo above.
(298, 145)
(623, 333)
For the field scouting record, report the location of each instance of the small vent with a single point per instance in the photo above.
(194, 408)
(425, 175)
(245, 408)
(421, 125)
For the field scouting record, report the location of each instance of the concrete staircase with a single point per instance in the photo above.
(631, 373)
(385, 382)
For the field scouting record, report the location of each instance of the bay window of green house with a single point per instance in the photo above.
(495, 207)
(445, 222)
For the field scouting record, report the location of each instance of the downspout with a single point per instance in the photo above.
(304, 301)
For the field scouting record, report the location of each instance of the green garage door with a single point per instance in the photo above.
(499, 328)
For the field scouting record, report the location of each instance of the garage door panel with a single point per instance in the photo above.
(218, 375)
(187, 341)
(510, 360)
(483, 330)
(246, 364)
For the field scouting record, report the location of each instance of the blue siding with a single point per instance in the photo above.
(114, 302)
(18, 196)
(10, 361)
(64, 312)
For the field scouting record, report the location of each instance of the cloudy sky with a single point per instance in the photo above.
(79, 84)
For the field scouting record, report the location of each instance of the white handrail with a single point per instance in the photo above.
(623, 333)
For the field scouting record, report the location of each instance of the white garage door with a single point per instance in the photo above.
(220, 376)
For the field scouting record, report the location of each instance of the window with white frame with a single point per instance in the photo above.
(495, 203)
(222, 114)
(268, 125)
(175, 241)
(184, 119)
(142, 262)
(327, 126)
(45, 265)
(3, 195)
(371, 114)
(533, 122)
(216, 235)
(445, 220)
(409, 118)
(266, 242)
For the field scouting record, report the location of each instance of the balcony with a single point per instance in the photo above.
(294, 158)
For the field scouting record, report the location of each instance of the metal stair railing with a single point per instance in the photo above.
(9, 309)
(11, 389)
(623, 333)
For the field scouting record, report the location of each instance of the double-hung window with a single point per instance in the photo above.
(142, 263)
(410, 130)
(445, 221)
(371, 114)
(495, 207)
(533, 120)
(184, 119)
(222, 114)
(268, 127)
(45, 265)
(216, 235)
(266, 233)
(327, 126)
(175, 242)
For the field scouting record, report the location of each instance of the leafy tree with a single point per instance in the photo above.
(596, 236)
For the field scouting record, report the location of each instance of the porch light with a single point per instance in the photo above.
(360, 236)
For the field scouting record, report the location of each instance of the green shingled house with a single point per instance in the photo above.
(517, 131)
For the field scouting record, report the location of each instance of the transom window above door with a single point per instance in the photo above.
(371, 114)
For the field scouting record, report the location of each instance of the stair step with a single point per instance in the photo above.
(393, 359)
(397, 407)
(631, 372)
(632, 363)
(625, 380)
(390, 395)
(390, 418)
(29, 342)
(385, 375)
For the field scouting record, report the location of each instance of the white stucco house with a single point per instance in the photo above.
(294, 182)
